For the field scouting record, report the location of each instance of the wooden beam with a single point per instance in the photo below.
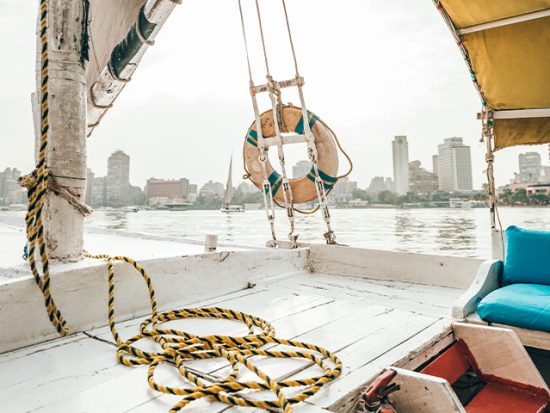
(505, 22)
(67, 133)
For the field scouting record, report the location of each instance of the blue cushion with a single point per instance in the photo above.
(527, 256)
(519, 305)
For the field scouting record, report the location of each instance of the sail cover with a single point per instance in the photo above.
(110, 22)
(508, 43)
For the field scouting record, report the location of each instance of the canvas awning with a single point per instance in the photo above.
(508, 45)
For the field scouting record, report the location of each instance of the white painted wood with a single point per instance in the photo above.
(486, 281)
(530, 338)
(499, 352)
(429, 300)
(521, 113)
(422, 393)
(67, 119)
(81, 374)
(505, 22)
(454, 272)
(106, 89)
(410, 353)
(497, 244)
(81, 293)
(286, 140)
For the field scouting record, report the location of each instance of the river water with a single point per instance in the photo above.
(461, 232)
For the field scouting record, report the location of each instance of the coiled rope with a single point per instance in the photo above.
(178, 347)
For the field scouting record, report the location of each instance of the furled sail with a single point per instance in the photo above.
(110, 22)
(119, 33)
(507, 45)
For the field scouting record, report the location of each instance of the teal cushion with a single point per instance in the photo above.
(527, 256)
(519, 305)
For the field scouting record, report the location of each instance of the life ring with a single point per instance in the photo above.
(303, 188)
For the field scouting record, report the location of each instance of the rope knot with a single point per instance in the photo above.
(27, 181)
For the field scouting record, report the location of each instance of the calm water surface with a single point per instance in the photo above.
(463, 232)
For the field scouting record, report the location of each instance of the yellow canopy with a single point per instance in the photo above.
(508, 44)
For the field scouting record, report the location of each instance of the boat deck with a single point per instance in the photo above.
(368, 324)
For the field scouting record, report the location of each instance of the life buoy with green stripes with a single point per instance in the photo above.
(303, 188)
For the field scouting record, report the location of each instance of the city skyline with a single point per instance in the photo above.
(440, 99)
(420, 179)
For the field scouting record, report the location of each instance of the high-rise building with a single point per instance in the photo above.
(118, 179)
(98, 189)
(530, 168)
(400, 149)
(89, 186)
(301, 168)
(454, 165)
(421, 181)
(435, 164)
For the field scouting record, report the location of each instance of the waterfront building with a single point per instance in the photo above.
(137, 196)
(246, 188)
(212, 189)
(170, 189)
(118, 180)
(421, 181)
(454, 166)
(343, 190)
(301, 168)
(530, 168)
(10, 191)
(538, 189)
(380, 184)
(400, 151)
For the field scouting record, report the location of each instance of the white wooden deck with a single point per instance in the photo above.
(369, 324)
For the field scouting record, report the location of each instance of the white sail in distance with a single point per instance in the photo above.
(229, 185)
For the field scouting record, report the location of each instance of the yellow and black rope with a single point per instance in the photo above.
(37, 184)
(180, 347)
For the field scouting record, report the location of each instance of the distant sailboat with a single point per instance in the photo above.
(228, 196)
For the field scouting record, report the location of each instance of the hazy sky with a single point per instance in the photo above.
(373, 69)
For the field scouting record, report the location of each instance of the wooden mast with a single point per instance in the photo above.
(67, 47)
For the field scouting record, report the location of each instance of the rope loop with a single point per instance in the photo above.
(179, 348)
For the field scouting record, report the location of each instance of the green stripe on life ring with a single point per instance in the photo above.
(252, 137)
(328, 181)
(299, 129)
(275, 180)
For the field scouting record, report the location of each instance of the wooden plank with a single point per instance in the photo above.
(399, 299)
(529, 338)
(56, 373)
(487, 279)
(510, 361)
(342, 394)
(455, 272)
(81, 293)
(423, 393)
